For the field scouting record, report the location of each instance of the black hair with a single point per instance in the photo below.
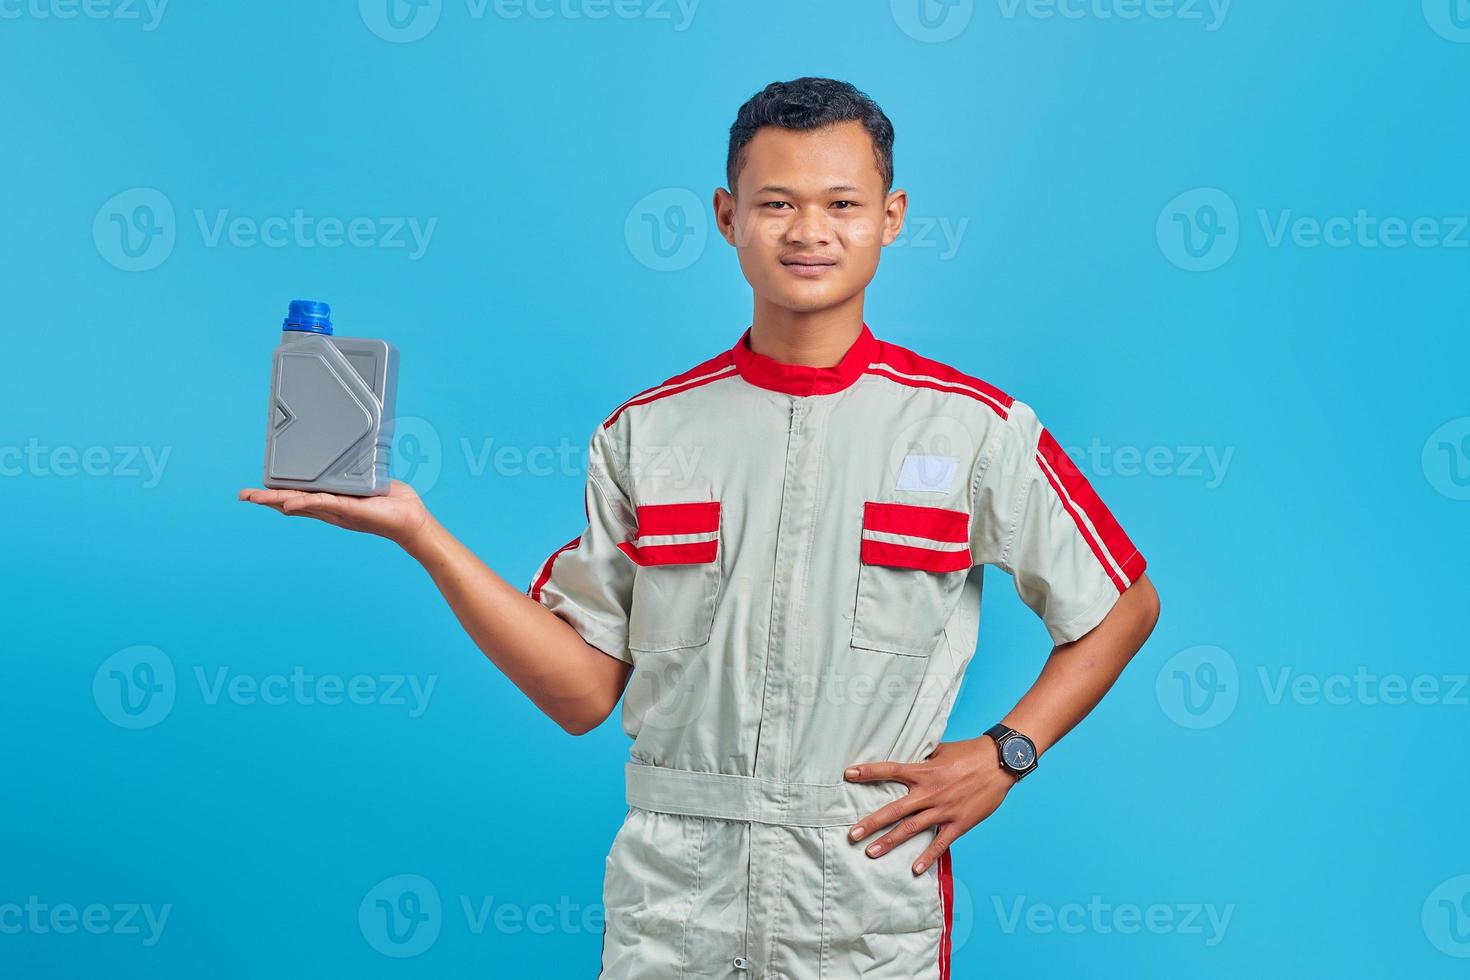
(810, 103)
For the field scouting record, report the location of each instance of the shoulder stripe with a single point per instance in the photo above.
(929, 381)
(1119, 558)
(903, 366)
(714, 369)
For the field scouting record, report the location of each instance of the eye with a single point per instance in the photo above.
(774, 205)
(844, 205)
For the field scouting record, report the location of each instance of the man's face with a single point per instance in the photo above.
(809, 215)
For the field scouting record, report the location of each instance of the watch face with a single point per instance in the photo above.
(1018, 752)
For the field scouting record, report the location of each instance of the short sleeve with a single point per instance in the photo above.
(1036, 517)
(588, 582)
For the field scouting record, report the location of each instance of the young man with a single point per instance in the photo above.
(782, 563)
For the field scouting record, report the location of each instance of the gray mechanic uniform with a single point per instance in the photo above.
(790, 557)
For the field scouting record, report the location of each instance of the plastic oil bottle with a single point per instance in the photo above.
(331, 407)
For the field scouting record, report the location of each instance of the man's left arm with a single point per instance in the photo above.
(1035, 516)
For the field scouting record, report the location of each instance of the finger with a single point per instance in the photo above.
(290, 501)
(315, 514)
(867, 772)
(277, 500)
(885, 815)
(281, 509)
(248, 495)
(257, 495)
(907, 827)
(319, 504)
(942, 839)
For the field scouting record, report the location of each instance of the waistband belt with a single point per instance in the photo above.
(753, 798)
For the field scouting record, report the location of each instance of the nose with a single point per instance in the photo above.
(811, 227)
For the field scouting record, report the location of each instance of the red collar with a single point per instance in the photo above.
(800, 379)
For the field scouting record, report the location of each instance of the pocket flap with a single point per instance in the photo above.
(675, 534)
(934, 539)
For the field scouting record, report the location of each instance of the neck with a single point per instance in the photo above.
(812, 339)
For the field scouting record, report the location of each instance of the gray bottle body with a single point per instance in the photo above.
(330, 423)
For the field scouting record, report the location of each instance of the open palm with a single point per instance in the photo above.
(398, 515)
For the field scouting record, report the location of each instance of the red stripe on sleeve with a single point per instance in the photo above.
(545, 576)
(1117, 543)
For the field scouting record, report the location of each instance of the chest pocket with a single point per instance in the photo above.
(914, 560)
(678, 578)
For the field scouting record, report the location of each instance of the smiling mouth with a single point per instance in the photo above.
(808, 266)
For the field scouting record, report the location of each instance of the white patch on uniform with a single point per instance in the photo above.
(927, 474)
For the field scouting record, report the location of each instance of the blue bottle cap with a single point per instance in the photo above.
(309, 315)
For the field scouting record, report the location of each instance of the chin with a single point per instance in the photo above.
(817, 297)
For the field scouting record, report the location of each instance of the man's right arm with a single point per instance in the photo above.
(575, 683)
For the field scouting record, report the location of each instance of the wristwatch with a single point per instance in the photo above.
(1017, 752)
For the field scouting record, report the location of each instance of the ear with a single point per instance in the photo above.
(895, 206)
(724, 205)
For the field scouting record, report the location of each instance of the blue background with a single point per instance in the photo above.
(1330, 379)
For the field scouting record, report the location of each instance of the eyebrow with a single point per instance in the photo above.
(778, 189)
